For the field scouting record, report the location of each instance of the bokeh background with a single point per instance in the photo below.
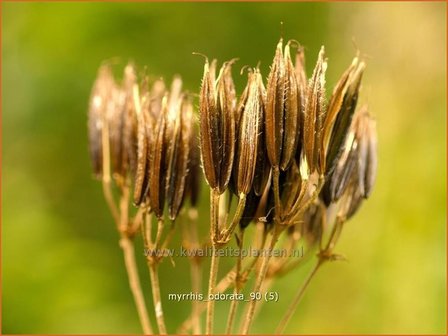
(62, 270)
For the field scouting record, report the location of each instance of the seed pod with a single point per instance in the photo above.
(178, 168)
(209, 131)
(292, 112)
(262, 167)
(340, 112)
(248, 135)
(275, 102)
(226, 104)
(314, 114)
(217, 126)
(157, 163)
(303, 87)
(129, 131)
(100, 96)
(141, 176)
(357, 162)
(345, 169)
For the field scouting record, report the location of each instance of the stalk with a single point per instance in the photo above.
(214, 232)
(292, 308)
(237, 289)
(154, 274)
(261, 276)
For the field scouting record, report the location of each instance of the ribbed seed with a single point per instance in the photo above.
(275, 101)
(180, 156)
(157, 165)
(314, 112)
(340, 112)
(226, 104)
(248, 135)
(99, 99)
(292, 113)
(209, 131)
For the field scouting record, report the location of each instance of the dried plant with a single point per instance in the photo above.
(299, 165)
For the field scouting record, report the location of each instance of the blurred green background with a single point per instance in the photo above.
(62, 270)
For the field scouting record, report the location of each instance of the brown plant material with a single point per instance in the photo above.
(157, 163)
(314, 115)
(293, 111)
(217, 105)
(275, 101)
(128, 161)
(247, 148)
(340, 112)
(100, 99)
(355, 170)
(180, 159)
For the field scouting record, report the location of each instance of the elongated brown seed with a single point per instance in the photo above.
(226, 105)
(141, 176)
(314, 114)
(275, 101)
(248, 135)
(209, 131)
(292, 112)
(99, 98)
(340, 112)
(263, 166)
(178, 170)
(157, 163)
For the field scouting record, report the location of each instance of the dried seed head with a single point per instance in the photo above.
(141, 172)
(275, 102)
(294, 99)
(217, 126)
(209, 132)
(180, 153)
(157, 163)
(356, 166)
(262, 167)
(340, 112)
(102, 93)
(226, 104)
(314, 115)
(124, 130)
(247, 147)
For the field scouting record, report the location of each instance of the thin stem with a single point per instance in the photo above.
(261, 276)
(196, 272)
(236, 218)
(214, 233)
(127, 246)
(228, 279)
(237, 289)
(211, 285)
(291, 309)
(277, 201)
(153, 271)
